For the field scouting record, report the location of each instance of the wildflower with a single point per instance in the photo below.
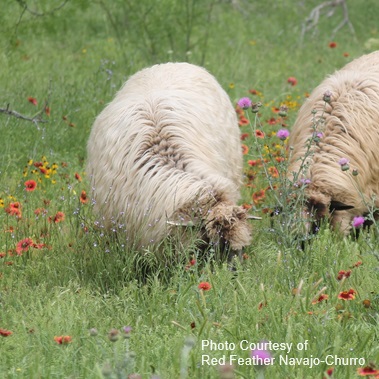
(23, 245)
(327, 96)
(261, 357)
(317, 136)
(30, 185)
(32, 100)
(78, 177)
(243, 121)
(231, 85)
(47, 110)
(259, 134)
(292, 80)
(245, 149)
(83, 197)
(272, 121)
(204, 286)
(253, 162)
(329, 372)
(283, 110)
(347, 295)
(343, 274)
(259, 196)
(344, 163)
(93, 332)
(1, 203)
(346, 54)
(358, 221)
(332, 45)
(63, 340)
(355, 172)
(367, 371)
(59, 217)
(357, 264)
(366, 303)
(14, 209)
(282, 134)
(255, 92)
(191, 263)
(5, 333)
(255, 107)
(321, 298)
(244, 103)
(113, 335)
(226, 371)
(273, 171)
(244, 136)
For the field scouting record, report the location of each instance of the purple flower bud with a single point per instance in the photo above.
(261, 357)
(344, 163)
(327, 96)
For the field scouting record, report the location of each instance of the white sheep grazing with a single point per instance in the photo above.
(167, 151)
(350, 130)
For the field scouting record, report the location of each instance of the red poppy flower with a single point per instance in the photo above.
(259, 134)
(204, 286)
(347, 295)
(24, 245)
(63, 340)
(5, 333)
(332, 45)
(245, 149)
(30, 185)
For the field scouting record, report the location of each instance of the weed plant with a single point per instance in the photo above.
(74, 301)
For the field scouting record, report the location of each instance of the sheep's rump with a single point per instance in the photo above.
(350, 130)
(168, 143)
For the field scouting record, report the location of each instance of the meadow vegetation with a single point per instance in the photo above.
(74, 302)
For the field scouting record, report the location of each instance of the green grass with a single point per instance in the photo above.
(76, 58)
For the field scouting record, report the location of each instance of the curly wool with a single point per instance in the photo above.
(167, 148)
(350, 130)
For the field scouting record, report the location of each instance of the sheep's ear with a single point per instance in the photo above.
(338, 206)
(251, 217)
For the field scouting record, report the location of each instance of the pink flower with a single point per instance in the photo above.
(358, 221)
(261, 357)
(282, 134)
(244, 103)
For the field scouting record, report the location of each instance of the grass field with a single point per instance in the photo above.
(72, 301)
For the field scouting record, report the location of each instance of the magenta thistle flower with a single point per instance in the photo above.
(261, 357)
(358, 221)
(282, 134)
(344, 163)
(244, 103)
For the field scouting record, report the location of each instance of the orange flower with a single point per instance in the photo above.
(47, 111)
(59, 217)
(14, 209)
(245, 149)
(5, 333)
(63, 340)
(83, 197)
(343, 274)
(32, 100)
(321, 298)
(347, 295)
(204, 286)
(259, 196)
(23, 245)
(243, 121)
(30, 185)
(292, 80)
(367, 371)
(78, 177)
(244, 136)
(273, 171)
(259, 134)
(332, 45)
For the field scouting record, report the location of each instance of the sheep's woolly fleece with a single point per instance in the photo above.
(350, 130)
(167, 149)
